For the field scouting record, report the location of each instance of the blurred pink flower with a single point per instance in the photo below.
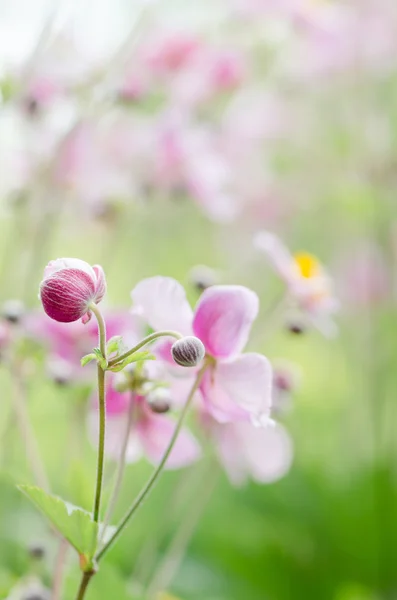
(150, 432)
(236, 386)
(187, 157)
(363, 276)
(169, 52)
(307, 282)
(262, 454)
(67, 343)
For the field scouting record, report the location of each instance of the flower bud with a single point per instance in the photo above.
(159, 400)
(69, 287)
(188, 352)
(36, 551)
(13, 311)
(202, 277)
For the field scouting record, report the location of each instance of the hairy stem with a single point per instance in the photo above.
(147, 488)
(120, 469)
(102, 413)
(176, 550)
(85, 580)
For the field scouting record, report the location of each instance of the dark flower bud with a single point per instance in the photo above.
(159, 400)
(13, 311)
(296, 328)
(188, 352)
(36, 551)
(202, 277)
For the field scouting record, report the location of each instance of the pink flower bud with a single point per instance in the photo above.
(69, 287)
(188, 352)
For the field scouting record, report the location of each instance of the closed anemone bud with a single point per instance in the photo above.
(69, 287)
(203, 277)
(159, 400)
(188, 352)
(13, 311)
(36, 551)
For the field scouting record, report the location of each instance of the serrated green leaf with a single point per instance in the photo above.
(73, 523)
(136, 357)
(87, 359)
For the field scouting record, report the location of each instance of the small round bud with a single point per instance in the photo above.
(202, 277)
(60, 371)
(188, 352)
(13, 311)
(296, 328)
(159, 400)
(36, 551)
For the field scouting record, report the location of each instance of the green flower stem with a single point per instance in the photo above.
(173, 555)
(102, 412)
(84, 584)
(120, 468)
(145, 491)
(150, 338)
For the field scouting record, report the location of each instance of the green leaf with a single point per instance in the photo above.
(73, 523)
(136, 357)
(87, 358)
(115, 344)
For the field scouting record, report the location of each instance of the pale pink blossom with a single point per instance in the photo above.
(236, 386)
(150, 433)
(246, 452)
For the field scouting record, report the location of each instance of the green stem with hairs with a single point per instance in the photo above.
(147, 340)
(102, 412)
(145, 491)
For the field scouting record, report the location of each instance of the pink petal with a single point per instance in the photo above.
(155, 434)
(162, 302)
(245, 451)
(218, 402)
(278, 255)
(240, 386)
(223, 319)
(68, 263)
(100, 286)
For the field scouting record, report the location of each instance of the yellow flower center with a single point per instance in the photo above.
(308, 265)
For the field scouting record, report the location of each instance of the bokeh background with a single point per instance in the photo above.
(152, 137)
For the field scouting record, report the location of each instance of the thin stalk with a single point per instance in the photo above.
(176, 550)
(85, 580)
(57, 582)
(145, 491)
(120, 469)
(102, 413)
(150, 338)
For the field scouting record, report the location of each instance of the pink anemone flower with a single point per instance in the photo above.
(235, 386)
(246, 452)
(306, 279)
(150, 433)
